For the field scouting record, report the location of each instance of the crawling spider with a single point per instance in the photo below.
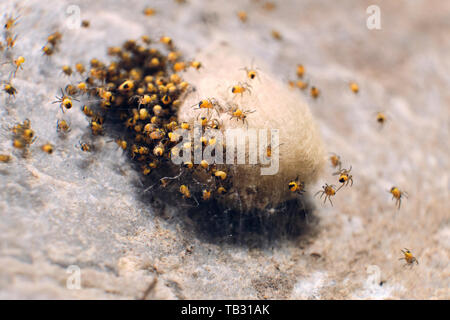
(328, 191)
(354, 87)
(9, 89)
(297, 186)
(240, 88)
(251, 72)
(300, 70)
(344, 177)
(208, 104)
(65, 101)
(397, 194)
(408, 257)
(314, 92)
(239, 114)
(208, 123)
(381, 118)
(336, 161)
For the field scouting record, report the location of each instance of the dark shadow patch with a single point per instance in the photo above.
(214, 223)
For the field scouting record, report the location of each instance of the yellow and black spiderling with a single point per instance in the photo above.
(65, 101)
(296, 186)
(62, 126)
(398, 194)
(9, 89)
(344, 177)
(47, 148)
(408, 257)
(328, 191)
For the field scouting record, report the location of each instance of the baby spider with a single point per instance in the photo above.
(65, 101)
(328, 191)
(302, 85)
(206, 194)
(209, 104)
(251, 72)
(344, 177)
(184, 190)
(5, 158)
(276, 35)
(354, 87)
(142, 100)
(220, 174)
(239, 114)
(242, 15)
(47, 148)
(195, 64)
(18, 63)
(10, 41)
(297, 186)
(122, 143)
(149, 11)
(167, 41)
(126, 85)
(80, 68)
(408, 257)
(336, 161)
(209, 123)
(381, 118)
(240, 88)
(314, 92)
(397, 194)
(9, 89)
(300, 70)
(62, 126)
(85, 146)
(269, 150)
(10, 22)
(47, 50)
(55, 38)
(67, 70)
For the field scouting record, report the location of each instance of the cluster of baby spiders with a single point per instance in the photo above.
(345, 178)
(221, 183)
(136, 98)
(23, 136)
(302, 83)
(232, 109)
(344, 175)
(16, 62)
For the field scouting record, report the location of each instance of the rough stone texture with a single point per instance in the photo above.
(71, 208)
